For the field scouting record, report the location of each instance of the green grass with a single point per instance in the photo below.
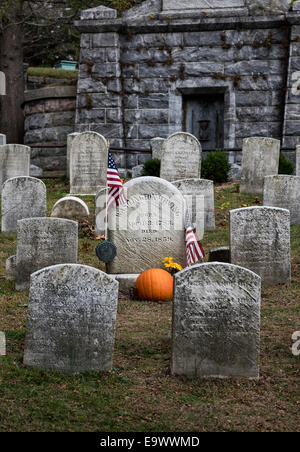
(140, 394)
(52, 73)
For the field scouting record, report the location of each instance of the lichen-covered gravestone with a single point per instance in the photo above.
(71, 208)
(283, 191)
(260, 241)
(22, 197)
(42, 242)
(71, 319)
(260, 159)
(181, 157)
(88, 163)
(216, 321)
(14, 161)
(199, 195)
(150, 227)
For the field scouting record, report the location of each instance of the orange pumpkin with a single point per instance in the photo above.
(155, 284)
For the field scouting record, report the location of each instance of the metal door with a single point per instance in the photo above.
(204, 118)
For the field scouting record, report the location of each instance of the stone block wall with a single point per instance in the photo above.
(135, 70)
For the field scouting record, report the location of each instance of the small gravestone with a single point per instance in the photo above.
(35, 171)
(42, 242)
(150, 227)
(283, 191)
(10, 268)
(137, 171)
(106, 251)
(260, 159)
(221, 254)
(2, 84)
(2, 139)
(199, 194)
(260, 241)
(71, 319)
(71, 208)
(70, 139)
(216, 322)
(2, 344)
(22, 197)
(181, 157)
(298, 161)
(156, 145)
(88, 163)
(14, 161)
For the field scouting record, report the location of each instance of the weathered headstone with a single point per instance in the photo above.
(298, 161)
(199, 195)
(42, 242)
(70, 139)
(221, 254)
(71, 208)
(216, 321)
(156, 145)
(150, 227)
(260, 241)
(2, 139)
(2, 344)
(100, 212)
(137, 171)
(22, 197)
(35, 171)
(88, 163)
(181, 157)
(283, 191)
(260, 159)
(2, 84)
(14, 161)
(71, 319)
(10, 268)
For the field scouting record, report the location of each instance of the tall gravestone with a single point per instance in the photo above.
(298, 161)
(260, 241)
(88, 163)
(150, 227)
(2, 84)
(181, 157)
(70, 139)
(199, 195)
(71, 319)
(42, 242)
(156, 145)
(22, 197)
(70, 207)
(216, 321)
(283, 191)
(101, 212)
(260, 158)
(14, 161)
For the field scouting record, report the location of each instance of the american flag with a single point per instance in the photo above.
(116, 195)
(194, 250)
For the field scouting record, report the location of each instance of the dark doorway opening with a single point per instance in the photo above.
(204, 118)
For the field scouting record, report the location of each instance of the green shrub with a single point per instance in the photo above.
(152, 168)
(216, 167)
(285, 165)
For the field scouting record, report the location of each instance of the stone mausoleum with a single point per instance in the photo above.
(222, 70)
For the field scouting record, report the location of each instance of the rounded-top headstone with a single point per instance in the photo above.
(22, 197)
(71, 208)
(149, 227)
(71, 319)
(283, 191)
(181, 157)
(88, 163)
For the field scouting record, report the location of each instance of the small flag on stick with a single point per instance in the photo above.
(116, 194)
(194, 250)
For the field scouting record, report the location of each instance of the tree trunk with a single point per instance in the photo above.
(11, 63)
